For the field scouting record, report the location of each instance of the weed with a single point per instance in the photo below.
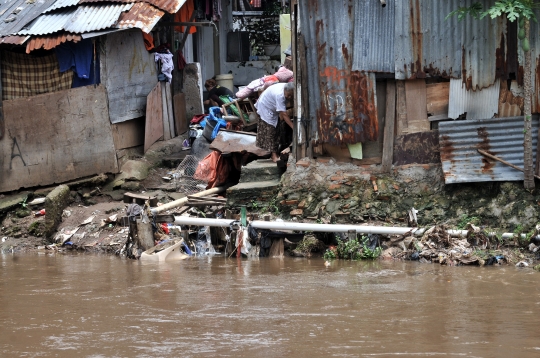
(465, 219)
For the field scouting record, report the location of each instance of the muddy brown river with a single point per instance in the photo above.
(55, 305)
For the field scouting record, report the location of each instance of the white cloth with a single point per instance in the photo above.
(167, 65)
(270, 103)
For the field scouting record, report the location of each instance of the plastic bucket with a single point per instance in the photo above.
(225, 81)
(209, 129)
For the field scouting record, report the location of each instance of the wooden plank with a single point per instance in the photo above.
(415, 97)
(437, 98)
(180, 119)
(401, 107)
(128, 134)
(367, 161)
(417, 148)
(388, 141)
(56, 137)
(339, 153)
(154, 118)
(168, 97)
(165, 112)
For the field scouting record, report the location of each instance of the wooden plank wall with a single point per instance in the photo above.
(128, 134)
(154, 117)
(56, 137)
(180, 118)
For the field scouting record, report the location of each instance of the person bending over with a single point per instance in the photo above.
(214, 92)
(271, 108)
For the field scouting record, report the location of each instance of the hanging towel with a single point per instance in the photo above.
(256, 3)
(184, 15)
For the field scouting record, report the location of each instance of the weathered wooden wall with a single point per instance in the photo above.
(56, 137)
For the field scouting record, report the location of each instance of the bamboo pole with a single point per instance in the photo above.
(183, 201)
(491, 156)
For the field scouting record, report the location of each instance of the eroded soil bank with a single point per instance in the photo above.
(314, 192)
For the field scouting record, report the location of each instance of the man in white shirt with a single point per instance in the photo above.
(270, 107)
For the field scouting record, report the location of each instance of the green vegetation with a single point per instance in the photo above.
(465, 219)
(354, 249)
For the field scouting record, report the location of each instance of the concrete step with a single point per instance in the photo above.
(260, 170)
(252, 192)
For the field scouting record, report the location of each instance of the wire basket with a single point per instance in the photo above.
(183, 176)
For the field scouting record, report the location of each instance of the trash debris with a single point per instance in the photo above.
(64, 235)
(39, 213)
(36, 201)
(88, 220)
(66, 214)
(522, 264)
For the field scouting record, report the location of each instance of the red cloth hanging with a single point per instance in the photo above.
(184, 15)
(148, 41)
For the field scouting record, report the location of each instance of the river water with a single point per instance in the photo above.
(54, 305)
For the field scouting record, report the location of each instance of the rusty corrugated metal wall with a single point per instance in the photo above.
(345, 39)
(429, 45)
(503, 137)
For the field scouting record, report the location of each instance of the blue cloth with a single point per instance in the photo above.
(77, 56)
(81, 82)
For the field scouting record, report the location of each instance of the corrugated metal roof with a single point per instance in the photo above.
(342, 96)
(59, 4)
(502, 137)
(50, 42)
(427, 44)
(478, 104)
(94, 18)
(48, 23)
(14, 40)
(171, 6)
(15, 14)
(77, 20)
(142, 15)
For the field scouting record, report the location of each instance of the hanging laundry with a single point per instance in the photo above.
(167, 65)
(256, 3)
(76, 56)
(148, 41)
(184, 15)
(181, 60)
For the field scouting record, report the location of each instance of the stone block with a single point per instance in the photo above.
(193, 90)
(55, 203)
(297, 212)
(11, 201)
(260, 170)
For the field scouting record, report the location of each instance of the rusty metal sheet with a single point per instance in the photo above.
(342, 98)
(477, 104)
(50, 42)
(417, 148)
(14, 40)
(428, 45)
(142, 15)
(237, 142)
(503, 137)
(171, 6)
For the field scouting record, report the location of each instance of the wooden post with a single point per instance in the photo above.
(145, 237)
(389, 126)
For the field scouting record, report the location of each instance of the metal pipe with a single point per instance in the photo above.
(182, 201)
(343, 228)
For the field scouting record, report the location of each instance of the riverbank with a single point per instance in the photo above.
(313, 192)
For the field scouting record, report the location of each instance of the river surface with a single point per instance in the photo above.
(54, 305)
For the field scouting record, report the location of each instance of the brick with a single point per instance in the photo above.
(396, 187)
(297, 212)
(302, 204)
(337, 178)
(337, 196)
(324, 160)
(303, 163)
(346, 206)
(291, 202)
(334, 186)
